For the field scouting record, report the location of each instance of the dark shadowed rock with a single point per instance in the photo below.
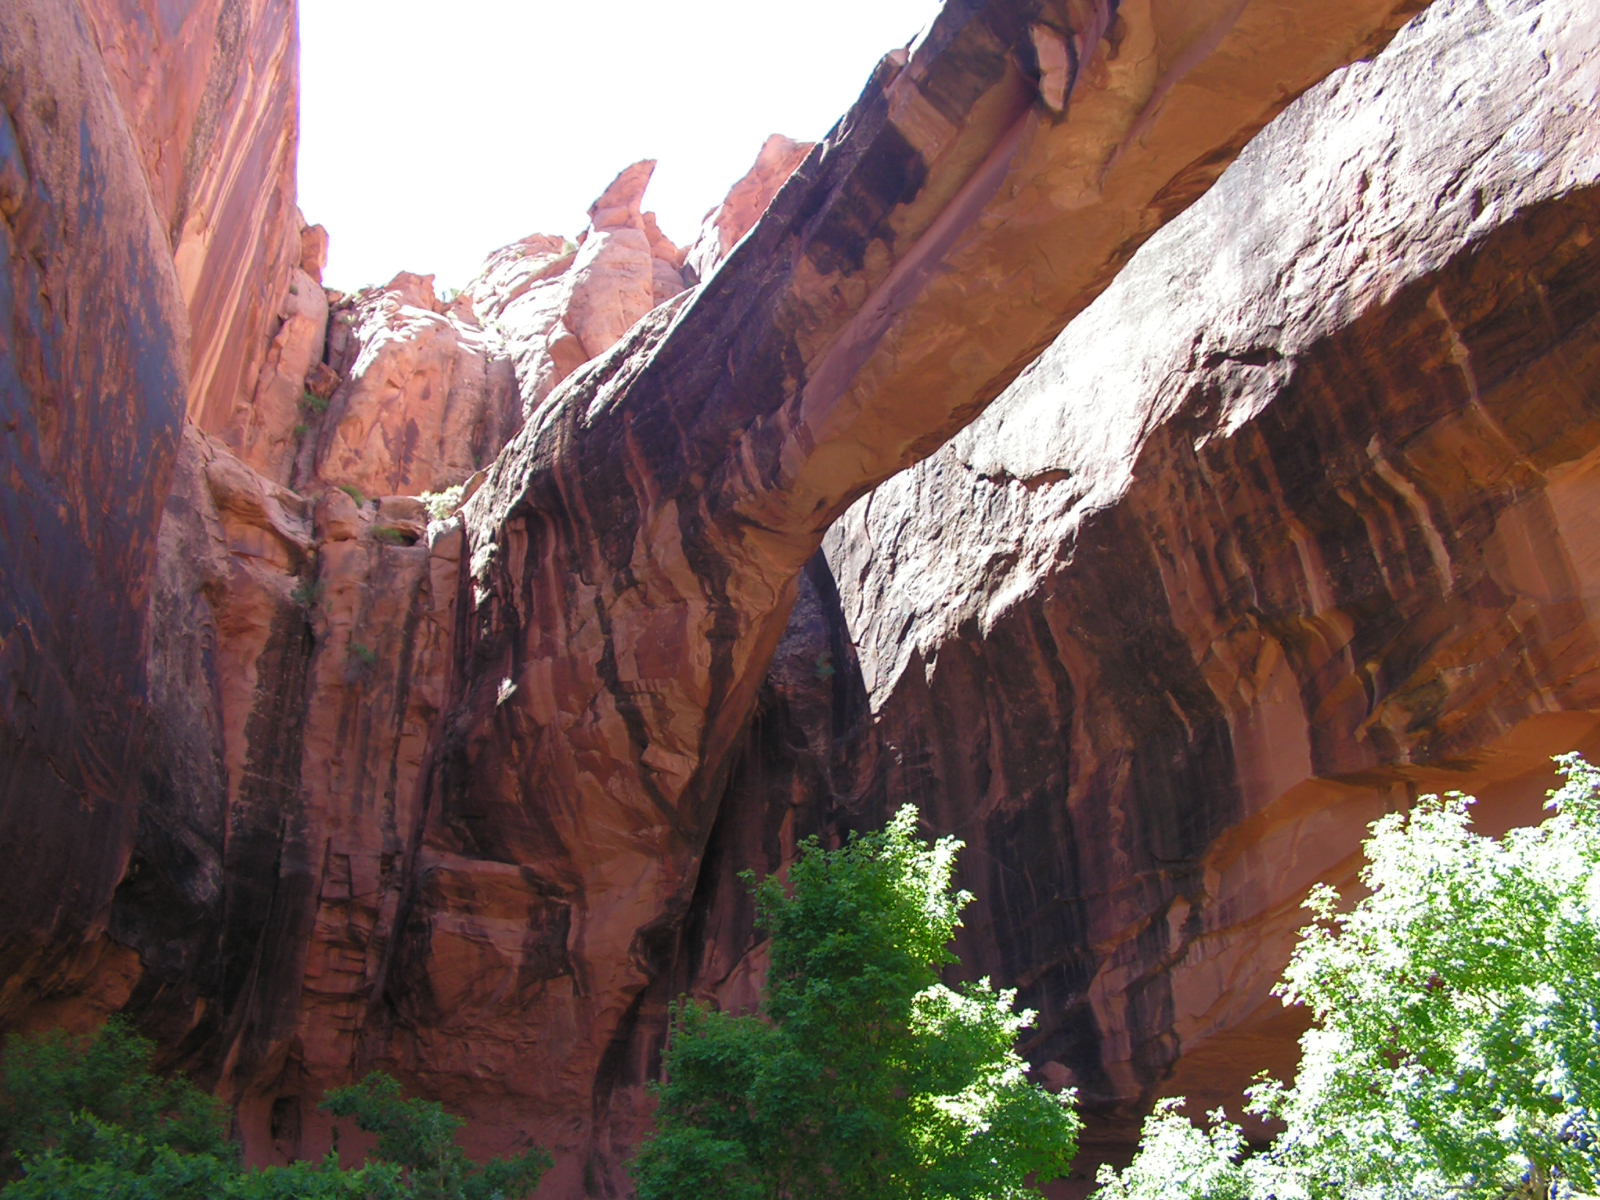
(92, 373)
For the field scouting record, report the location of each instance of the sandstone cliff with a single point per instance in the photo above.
(147, 230)
(1285, 527)
(1293, 524)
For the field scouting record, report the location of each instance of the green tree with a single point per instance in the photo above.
(1455, 1046)
(89, 1119)
(63, 1095)
(864, 1077)
(419, 1138)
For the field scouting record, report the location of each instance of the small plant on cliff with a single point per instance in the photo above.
(363, 655)
(88, 1119)
(355, 493)
(864, 1077)
(307, 592)
(393, 535)
(442, 505)
(1455, 1047)
(312, 402)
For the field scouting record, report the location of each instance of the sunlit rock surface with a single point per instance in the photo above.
(1292, 524)
(744, 203)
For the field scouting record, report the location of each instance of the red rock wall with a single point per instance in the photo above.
(92, 374)
(1292, 525)
(209, 90)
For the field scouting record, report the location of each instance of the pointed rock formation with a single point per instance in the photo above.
(558, 304)
(745, 202)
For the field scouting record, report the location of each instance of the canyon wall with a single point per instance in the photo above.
(146, 226)
(318, 774)
(1293, 524)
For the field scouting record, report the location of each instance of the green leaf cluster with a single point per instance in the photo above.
(441, 505)
(418, 1137)
(864, 1077)
(89, 1119)
(1455, 1046)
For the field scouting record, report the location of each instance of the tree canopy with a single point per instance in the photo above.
(1455, 1044)
(863, 1077)
(90, 1119)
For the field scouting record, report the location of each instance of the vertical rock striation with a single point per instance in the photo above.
(92, 377)
(215, 127)
(1289, 526)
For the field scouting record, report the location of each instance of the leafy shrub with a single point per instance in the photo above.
(307, 592)
(442, 505)
(312, 402)
(64, 1096)
(355, 493)
(864, 1077)
(419, 1138)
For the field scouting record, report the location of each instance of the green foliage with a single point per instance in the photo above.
(865, 1077)
(312, 402)
(355, 493)
(1179, 1161)
(301, 429)
(363, 654)
(63, 1094)
(392, 535)
(1455, 1049)
(442, 505)
(419, 1138)
(88, 1119)
(307, 592)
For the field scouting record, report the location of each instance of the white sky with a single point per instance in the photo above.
(432, 133)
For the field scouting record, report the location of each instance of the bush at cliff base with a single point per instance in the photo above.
(1455, 1047)
(89, 1119)
(863, 1077)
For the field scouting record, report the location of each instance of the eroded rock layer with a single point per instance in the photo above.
(1294, 523)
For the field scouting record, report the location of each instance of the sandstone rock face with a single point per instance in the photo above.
(745, 202)
(464, 799)
(1289, 526)
(92, 372)
(429, 398)
(267, 431)
(558, 304)
(302, 653)
(216, 130)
